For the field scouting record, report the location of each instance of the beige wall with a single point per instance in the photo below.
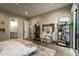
(50, 17)
(6, 18)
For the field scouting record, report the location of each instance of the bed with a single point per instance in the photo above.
(17, 48)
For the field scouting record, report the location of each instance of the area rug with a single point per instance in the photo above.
(43, 51)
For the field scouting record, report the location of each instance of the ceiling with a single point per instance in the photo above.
(33, 9)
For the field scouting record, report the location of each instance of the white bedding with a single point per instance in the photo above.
(14, 48)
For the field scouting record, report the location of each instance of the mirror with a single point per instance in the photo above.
(49, 28)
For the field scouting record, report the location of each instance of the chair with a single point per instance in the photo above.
(49, 39)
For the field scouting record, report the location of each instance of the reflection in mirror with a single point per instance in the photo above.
(48, 28)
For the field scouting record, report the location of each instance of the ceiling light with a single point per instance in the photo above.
(26, 13)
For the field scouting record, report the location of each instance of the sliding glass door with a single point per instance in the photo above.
(76, 27)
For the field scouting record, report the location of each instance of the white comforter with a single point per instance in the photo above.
(14, 48)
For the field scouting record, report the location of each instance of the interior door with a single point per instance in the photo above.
(26, 29)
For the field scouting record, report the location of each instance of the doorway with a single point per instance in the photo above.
(26, 29)
(13, 28)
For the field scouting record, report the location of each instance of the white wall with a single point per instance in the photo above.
(50, 17)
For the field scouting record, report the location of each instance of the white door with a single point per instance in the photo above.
(26, 29)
